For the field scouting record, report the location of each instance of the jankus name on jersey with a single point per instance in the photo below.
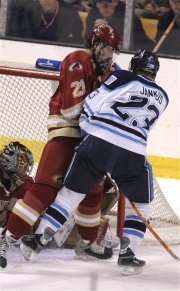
(152, 93)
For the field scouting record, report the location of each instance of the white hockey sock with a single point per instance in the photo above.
(59, 211)
(134, 228)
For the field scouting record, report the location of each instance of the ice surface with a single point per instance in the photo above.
(61, 270)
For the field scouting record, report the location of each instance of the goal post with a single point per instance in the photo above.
(24, 97)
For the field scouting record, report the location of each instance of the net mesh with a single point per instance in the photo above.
(24, 111)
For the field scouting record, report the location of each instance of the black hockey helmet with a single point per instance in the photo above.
(146, 62)
(16, 163)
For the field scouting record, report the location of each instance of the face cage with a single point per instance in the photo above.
(8, 182)
(102, 65)
(16, 180)
(23, 170)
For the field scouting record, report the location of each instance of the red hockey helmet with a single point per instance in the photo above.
(106, 35)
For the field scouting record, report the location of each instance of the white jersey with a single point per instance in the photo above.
(123, 110)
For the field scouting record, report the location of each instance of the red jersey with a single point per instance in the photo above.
(78, 78)
(8, 199)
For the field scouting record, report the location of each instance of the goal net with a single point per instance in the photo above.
(24, 99)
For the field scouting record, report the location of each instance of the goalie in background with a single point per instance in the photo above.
(16, 164)
(81, 73)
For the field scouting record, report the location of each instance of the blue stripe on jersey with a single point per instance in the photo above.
(119, 126)
(134, 232)
(116, 132)
(86, 105)
(84, 118)
(119, 118)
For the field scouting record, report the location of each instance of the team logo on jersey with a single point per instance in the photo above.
(111, 80)
(75, 66)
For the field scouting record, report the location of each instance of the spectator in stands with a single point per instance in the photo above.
(15, 24)
(171, 44)
(151, 9)
(52, 20)
(113, 13)
(86, 5)
(81, 5)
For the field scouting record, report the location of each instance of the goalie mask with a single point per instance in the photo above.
(16, 163)
(103, 43)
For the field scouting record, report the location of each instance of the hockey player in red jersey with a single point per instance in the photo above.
(16, 163)
(81, 73)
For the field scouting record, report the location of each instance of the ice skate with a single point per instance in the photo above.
(6, 241)
(92, 249)
(33, 244)
(110, 240)
(3, 248)
(128, 263)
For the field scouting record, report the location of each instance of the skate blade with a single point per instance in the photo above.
(130, 270)
(27, 252)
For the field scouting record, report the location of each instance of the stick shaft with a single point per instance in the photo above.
(153, 232)
(146, 223)
(167, 31)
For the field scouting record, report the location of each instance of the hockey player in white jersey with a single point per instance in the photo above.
(116, 122)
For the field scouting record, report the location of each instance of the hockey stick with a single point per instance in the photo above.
(167, 31)
(146, 222)
(153, 231)
(61, 235)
